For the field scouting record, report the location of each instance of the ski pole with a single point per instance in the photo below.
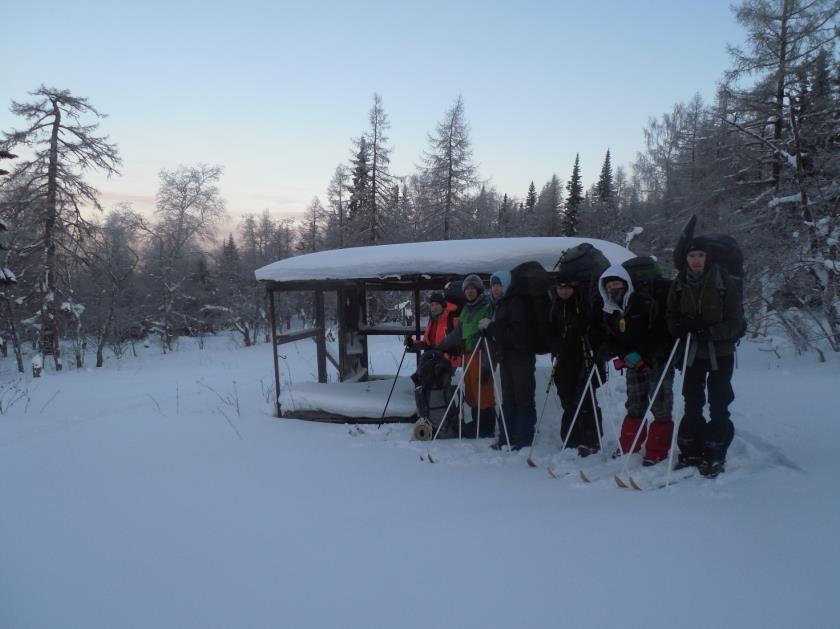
(463, 375)
(497, 389)
(586, 387)
(650, 405)
(478, 411)
(388, 401)
(589, 359)
(679, 418)
(461, 399)
(588, 351)
(596, 418)
(542, 412)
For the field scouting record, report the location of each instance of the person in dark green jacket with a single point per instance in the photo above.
(706, 302)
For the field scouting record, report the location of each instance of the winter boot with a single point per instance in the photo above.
(659, 441)
(629, 427)
(712, 468)
(684, 461)
(585, 451)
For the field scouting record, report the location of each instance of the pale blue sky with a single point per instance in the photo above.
(274, 91)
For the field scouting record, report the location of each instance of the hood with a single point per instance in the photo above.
(503, 278)
(615, 270)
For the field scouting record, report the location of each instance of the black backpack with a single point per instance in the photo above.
(648, 279)
(453, 294)
(582, 264)
(533, 282)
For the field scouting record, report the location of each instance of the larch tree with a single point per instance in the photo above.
(61, 134)
(448, 167)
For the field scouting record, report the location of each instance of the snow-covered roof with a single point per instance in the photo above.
(440, 257)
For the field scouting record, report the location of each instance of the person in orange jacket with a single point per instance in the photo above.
(442, 320)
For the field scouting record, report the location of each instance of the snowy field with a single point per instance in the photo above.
(160, 492)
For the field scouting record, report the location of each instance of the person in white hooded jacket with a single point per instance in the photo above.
(637, 335)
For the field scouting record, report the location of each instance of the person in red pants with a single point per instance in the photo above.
(637, 334)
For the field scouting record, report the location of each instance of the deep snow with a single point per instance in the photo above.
(139, 496)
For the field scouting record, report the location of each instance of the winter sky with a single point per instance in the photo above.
(274, 91)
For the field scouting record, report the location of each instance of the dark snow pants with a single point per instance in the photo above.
(570, 381)
(518, 387)
(697, 438)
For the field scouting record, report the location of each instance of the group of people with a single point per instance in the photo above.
(696, 328)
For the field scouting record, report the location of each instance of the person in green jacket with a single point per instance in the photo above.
(478, 379)
(706, 302)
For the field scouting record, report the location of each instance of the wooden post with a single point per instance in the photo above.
(363, 317)
(417, 319)
(320, 341)
(274, 352)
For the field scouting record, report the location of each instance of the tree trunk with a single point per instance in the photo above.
(780, 93)
(49, 321)
(104, 333)
(10, 320)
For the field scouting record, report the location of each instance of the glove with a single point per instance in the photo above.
(409, 341)
(484, 324)
(632, 359)
(692, 323)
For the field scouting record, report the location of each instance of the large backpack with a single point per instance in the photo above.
(722, 250)
(583, 264)
(648, 279)
(453, 294)
(532, 281)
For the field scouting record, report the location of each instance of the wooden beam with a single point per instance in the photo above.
(297, 336)
(386, 331)
(333, 360)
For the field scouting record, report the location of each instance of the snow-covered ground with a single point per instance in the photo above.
(160, 492)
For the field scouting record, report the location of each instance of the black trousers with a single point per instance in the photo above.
(570, 382)
(696, 437)
(518, 388)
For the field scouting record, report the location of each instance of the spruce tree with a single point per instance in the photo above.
(605, 188)
(574, 199)
(531, 197)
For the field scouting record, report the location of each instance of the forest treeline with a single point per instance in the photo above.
(760, 162)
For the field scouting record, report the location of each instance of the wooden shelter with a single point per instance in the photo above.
(411, 267)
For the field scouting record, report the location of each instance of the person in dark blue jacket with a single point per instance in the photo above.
(510, 336)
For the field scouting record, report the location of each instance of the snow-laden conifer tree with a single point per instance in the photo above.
(449, 170)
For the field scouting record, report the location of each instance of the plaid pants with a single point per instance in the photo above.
(640, 387)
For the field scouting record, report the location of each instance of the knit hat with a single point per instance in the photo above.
(696, 245)
(473, 280)
(565, 279)
(437, 298)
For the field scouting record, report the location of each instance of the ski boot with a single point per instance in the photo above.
(684, 461)
(712, 469)
(585, 451)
